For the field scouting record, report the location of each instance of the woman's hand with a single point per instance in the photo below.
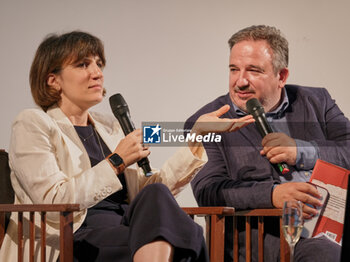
(130, 148)
(211, 122)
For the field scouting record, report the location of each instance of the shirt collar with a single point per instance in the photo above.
(277, 113)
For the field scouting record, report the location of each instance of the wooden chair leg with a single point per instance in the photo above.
(261, 238)
(20, 237)
(248, 240)
(217, 239)
(2, 227)
(43, 236)
(31, 236)
(66, 242)
(235, 240)
(284, 247)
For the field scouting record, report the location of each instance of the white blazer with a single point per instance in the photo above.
(51, 166)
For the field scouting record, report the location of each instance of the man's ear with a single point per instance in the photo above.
(283, 76)
(52, 82)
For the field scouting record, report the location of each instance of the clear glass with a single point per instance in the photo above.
(292, 224)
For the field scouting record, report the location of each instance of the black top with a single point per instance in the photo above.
(94, 146)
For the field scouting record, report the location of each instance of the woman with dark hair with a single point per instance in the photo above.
(63, 153)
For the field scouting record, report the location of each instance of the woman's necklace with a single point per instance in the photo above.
(86, 138)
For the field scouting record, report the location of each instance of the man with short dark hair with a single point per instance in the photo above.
(307, 125)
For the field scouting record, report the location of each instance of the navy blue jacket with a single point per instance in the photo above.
(237, 175)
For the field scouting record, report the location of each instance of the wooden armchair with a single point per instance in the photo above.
(215, 230)
(66, 228)
(6, 207)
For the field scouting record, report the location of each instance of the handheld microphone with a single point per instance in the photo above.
(120, 110)
(257, 111)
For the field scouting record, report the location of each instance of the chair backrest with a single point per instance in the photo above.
(7, 195)
(6, 190)
(260, 214)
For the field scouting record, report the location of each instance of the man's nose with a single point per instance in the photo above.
(242, 80)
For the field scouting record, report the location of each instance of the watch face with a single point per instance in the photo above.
(116, 160)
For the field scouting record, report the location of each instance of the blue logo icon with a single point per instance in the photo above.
(152, 134)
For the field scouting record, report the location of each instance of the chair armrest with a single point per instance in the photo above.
(273, 212)
(39, 207)
(206, 211)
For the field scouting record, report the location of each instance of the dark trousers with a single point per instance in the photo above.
(115, 234)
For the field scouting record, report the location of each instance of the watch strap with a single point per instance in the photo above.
(116, 162)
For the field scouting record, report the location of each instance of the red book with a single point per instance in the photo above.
(335, 180)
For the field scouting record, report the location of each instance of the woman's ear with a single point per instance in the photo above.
(52, 82)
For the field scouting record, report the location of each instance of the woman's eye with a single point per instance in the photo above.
(83, 65)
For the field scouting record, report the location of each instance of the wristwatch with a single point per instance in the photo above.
(116, 162)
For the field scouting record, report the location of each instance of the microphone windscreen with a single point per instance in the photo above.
(118, 105)
(252, 105)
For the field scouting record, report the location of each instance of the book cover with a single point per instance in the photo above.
(335, 180)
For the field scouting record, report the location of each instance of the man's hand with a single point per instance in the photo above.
(211, 122)
(278, 148)
(130, 148)
(299, 191)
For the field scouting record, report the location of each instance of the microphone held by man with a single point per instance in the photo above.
(257, 111)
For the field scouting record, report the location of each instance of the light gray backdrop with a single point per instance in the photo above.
(170, 57)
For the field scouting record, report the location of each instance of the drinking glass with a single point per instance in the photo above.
(292, 224)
